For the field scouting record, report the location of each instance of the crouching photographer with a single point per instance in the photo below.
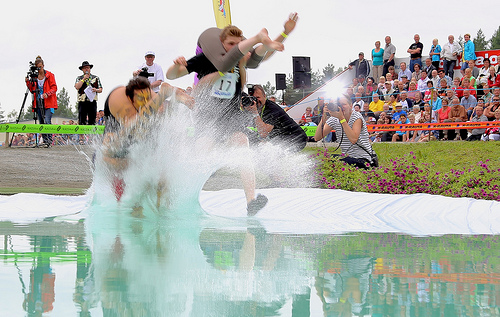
(350, 129)
(271, 121)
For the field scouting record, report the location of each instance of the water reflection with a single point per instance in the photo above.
(219, 267)
(40, 295)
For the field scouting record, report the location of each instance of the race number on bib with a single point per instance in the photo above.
(225, 87)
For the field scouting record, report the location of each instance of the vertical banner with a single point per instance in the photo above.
(222, 13)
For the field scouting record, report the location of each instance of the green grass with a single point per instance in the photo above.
(42, 190)
(445, 155)
(455, 169)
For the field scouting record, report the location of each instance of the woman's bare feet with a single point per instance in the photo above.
(269, 44)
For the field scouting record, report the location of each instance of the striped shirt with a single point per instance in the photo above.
(352, 150)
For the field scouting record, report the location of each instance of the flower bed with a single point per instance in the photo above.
(406, 175)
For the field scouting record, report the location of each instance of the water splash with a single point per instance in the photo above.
(161, 162)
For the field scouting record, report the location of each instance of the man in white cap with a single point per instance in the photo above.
(152, 71)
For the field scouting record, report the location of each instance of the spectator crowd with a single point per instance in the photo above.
(424, 92)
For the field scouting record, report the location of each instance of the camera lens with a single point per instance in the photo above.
(246, 101)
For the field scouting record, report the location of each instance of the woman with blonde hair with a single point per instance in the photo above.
(378, 61)
(435, 53)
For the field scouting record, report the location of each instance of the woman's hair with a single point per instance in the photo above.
(346, 97)
(138, 83)
(39, 59)
(230, 30)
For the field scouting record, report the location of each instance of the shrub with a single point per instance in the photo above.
(406, 175)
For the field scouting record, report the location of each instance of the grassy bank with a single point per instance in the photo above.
(456, 169)
(43, 190)
(427, 159)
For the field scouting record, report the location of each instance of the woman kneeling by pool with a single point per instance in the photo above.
(351, 131)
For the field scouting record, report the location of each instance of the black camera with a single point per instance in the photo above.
(333, 106)
(33, 70)
(144, 73)
(247, 100)
(250, 89)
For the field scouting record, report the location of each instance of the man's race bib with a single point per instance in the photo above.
(225, 87)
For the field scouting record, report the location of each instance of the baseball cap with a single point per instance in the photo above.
(150, 53)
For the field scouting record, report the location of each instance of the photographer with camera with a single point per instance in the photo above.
(42, 84)
(272, 122)
(152, 71)
(88, 86)
(351, 131)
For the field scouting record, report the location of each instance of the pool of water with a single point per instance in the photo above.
(219, 267)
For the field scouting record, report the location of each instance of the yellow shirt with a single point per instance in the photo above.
(377, 106)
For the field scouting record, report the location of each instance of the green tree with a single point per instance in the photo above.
(26, 115)
(63, 105)
(495, 40)
(329, 72)
(461, 41)
(2, 117)
(269, 89)
(12, 116)
(480, 42)
(318, 78)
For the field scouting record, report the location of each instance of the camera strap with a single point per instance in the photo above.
(357, 143)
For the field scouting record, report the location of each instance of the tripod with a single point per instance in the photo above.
(39, 104)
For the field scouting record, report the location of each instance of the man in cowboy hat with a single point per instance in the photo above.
(88, 86)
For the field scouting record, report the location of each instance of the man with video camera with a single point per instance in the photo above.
(88, 86)
(272, 122)
(42, 84)
(152, 71)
